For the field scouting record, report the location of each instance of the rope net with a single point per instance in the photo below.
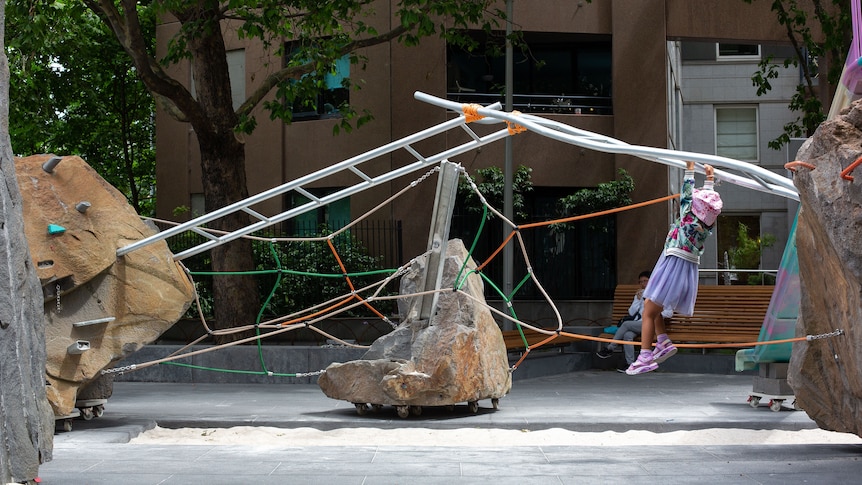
(383, 290)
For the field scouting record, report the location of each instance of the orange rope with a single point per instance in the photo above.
(846, 171)
(602, 213)
(514, 128)
(349, 282)
(471, 112)
(691, 346)
(499, 248)
(796, 163)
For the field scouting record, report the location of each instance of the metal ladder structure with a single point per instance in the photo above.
(727, 170)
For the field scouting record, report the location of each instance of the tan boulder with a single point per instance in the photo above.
(99, 308)
(459, 356)
(826, 374)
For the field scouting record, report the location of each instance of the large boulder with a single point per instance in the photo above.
(458, 356)
(826, 374)
(99, 308)
(26, 421)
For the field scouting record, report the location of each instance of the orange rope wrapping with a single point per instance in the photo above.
(846, 171)
(471, 112)
(796, 163)
(514, 128)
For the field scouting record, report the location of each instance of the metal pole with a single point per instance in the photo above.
(441, 219)
(508, 251)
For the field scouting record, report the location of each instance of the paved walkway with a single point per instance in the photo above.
(99, 452)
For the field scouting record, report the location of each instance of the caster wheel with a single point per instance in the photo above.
(495, 402)
(753, 401)
(416, 410)
(361, 408)
(67, 425)
(796, 406)
(87, 413)
(450, 407)
(99, 410)
(775, 405)
(473, 406)
(403, 411)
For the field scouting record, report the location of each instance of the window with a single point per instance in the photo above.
(334, 215)
(734, 255)
(586, 252)
(198, 205)
(236, 72)
(556, 73)
(737, 51)
(736, 133)
(313, 103)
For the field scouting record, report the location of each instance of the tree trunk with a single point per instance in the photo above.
(235, 297)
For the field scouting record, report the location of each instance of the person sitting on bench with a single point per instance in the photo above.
(630, 326)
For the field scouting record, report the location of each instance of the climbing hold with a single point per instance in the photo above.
(51, 163)
(82, 206)
(78, 347)
(55, 229)
(94, 322)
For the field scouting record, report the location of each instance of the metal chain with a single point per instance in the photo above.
(58, 298)
(120, 370)
(311, 374)
(824, 335)
(425, 176)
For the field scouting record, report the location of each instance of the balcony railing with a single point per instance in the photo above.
(541, 103)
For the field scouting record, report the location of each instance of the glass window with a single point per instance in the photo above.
(586, 252)
(734, 255)
(334, 215)
(737, 51)
(736, 133)
(554, 73)
(322, 103)
(236, 72)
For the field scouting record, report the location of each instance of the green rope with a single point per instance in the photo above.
(229, 371)
(458, 281)
(265, 304)
(508, 302)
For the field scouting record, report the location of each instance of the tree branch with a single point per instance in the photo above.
(294, 72)
(168, 93)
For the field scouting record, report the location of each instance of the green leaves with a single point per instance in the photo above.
(74, 91)
(835, 24)
(491, 183)
(606, 195)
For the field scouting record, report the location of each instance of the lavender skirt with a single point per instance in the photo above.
(673, 284)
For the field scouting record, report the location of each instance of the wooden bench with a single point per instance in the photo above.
(515, 342)
(722, 314)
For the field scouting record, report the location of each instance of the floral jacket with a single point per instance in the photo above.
(687, 235)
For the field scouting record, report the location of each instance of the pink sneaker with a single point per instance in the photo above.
(663, 351)
(641, 366)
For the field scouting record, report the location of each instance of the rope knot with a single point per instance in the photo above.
(471, 112)
(513, 127)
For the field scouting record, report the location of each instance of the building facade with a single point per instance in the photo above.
(636, 70)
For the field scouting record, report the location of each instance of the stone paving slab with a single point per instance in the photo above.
(97, 451)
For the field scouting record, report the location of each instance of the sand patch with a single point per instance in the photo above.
(477, 437)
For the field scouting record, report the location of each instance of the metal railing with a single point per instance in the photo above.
(542, 103)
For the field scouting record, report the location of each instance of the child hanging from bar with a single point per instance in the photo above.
(674, 280)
